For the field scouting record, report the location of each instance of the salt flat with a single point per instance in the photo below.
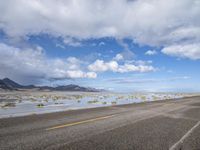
(20, 103)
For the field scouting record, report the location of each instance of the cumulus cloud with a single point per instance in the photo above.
(72, 42)
(101, 66)
(73, 63)
(80, 74)
(155, 23)
(33, 64)
(191, 51)
(169, 24)
(151, 52)
(118, 57)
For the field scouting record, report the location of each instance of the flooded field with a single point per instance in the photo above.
(26, 103)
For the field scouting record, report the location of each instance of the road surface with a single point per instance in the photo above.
(161, 125)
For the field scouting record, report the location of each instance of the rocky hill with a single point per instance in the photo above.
(8, 84)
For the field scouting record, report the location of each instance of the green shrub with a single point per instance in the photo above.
(113, 103)
(40, 105)
(8, 105)
(93, 101)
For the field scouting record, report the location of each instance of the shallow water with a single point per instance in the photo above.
(26, 103)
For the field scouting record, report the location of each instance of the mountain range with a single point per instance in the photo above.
(8, 84)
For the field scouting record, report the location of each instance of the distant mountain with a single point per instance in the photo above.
(8, 84)
(3, 86)
(73, 87)
(11, 83)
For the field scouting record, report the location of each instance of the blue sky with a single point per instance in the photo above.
(144, 46)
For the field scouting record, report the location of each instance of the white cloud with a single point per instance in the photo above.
(191, 51)
(81, 74)
(60, 45)
(91, 75)
(156, 22)
(32, 63)
(126, 53)
(118, 57)
(72, 42)
(101, 66)
(151, 52)
(102, 44)
(98, 65)
(73, 63)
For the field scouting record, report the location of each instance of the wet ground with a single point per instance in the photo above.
(26, 103)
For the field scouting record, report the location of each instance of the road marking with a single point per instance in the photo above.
(79, 122)
(175, 146)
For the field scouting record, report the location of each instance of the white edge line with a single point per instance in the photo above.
(173, 147)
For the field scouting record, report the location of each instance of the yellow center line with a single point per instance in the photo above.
(79, 122)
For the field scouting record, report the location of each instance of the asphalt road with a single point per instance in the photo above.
(163, 125)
